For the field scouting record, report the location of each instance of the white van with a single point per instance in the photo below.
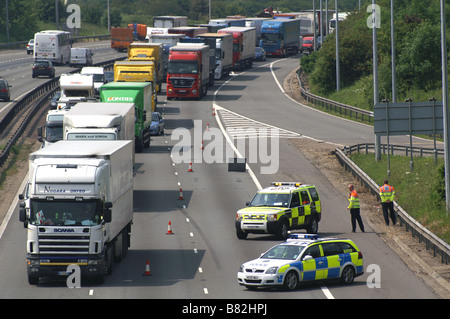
(80, 56)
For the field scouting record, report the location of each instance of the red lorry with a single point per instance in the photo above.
(188, 71)
(243, 46)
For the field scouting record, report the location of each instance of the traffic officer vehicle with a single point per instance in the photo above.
(279, 208)
(303, 257)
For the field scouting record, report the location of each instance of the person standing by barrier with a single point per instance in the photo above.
(387, 194)
(354, 208)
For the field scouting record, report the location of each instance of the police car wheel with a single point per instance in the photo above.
(240, 234)
(348, 275)
(290, 281)
(313, 226)
(283, 230)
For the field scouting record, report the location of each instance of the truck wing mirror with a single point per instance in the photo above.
(22, 215)
(107, 213)
(39, 133)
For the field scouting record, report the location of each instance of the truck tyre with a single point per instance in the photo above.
(109, 259)
(33, 280)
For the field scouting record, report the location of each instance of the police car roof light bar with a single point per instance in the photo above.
(286, 184)
(304, 236)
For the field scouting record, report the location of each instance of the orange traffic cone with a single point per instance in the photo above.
(214, 111)
(181, 195)
(207, 126)
(147, 269)
(190, 167)
(202, 146)
(169, 229)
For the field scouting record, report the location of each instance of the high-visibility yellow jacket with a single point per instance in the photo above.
(387, 193)
(354, 200)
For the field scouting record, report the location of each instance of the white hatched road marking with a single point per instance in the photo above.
(239, 126)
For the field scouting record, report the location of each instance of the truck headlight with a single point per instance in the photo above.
(272, 270)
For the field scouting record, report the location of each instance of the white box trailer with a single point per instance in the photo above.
(100, 121)
(169, 21)
(243, 46)
(256, 23)
(224, 53)
(78, 208)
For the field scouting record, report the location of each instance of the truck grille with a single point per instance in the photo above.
(57, 244)
(181, 82)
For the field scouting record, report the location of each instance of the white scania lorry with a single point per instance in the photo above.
(78, 208)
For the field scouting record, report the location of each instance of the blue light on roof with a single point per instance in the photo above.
(303, 236)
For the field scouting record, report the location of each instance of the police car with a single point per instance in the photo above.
(279, 208)
(303, 257)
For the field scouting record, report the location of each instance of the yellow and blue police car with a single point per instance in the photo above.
(303, 257)
(278, 208)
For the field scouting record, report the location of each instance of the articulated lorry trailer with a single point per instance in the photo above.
(169, 21)
(100, 121)
(149, 52)
(78, 208)
(243, 46)
(280, 37)
(139, 93)
(137, 71)
(224, 53)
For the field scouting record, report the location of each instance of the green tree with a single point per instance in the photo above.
(419, 63)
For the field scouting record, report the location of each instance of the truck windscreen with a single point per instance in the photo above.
(182, 67)
(65, 212)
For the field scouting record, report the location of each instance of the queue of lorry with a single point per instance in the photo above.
(77, 211)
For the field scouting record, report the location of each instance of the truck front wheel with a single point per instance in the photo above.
(33, 280)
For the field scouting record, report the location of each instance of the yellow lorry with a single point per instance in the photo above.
(136, 71)
(146, 52)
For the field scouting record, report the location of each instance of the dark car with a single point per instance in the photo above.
(43, 67)
(260, 54)
(4, 90)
